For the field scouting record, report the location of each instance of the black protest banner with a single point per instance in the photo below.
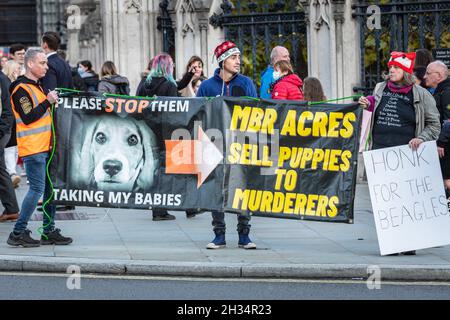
(110, 152)
(286, 160)
(291, 159)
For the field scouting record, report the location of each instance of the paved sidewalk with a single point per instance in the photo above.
(128, 241)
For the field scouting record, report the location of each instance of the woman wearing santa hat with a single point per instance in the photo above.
(403, 112)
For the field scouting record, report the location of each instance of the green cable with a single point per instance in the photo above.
(68, 90)
(251, 98)
(331, 100)
(311, 103)
(40, 230)
(126, 96)
(208, 98)
(108, 94)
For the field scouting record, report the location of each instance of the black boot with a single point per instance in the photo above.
(55, 237)
(22, 239)
(190, 213)
(161, 215)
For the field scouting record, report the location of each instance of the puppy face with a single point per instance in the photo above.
(118, 154)
(114, 154)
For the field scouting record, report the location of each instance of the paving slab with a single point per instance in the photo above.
(120, 241)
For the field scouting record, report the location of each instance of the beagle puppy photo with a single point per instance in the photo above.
(116, 154)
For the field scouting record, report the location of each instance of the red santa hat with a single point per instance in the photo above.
(403, 60)
(225, 50)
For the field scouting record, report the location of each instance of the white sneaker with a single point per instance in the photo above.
(212, 245)
(245, 242)
(249, 245)
(217, 243)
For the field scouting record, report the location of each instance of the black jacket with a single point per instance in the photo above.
(444, 137)
(78, 82)
(59, 74)
(7, 117)
(22, 100)
(159, 86)
(141, 85)
(442, 97)
(91, 81)
(183, 83)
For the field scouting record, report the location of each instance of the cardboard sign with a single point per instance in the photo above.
(408, 198)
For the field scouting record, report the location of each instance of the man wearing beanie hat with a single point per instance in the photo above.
(403, 113)
(228, 82)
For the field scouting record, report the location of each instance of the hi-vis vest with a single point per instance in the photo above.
(35, 137)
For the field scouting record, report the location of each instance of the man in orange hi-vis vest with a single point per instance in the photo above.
(31, 108)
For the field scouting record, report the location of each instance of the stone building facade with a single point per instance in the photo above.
(333, 45)
(126, 32)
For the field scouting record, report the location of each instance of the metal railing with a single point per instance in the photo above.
(405, 26)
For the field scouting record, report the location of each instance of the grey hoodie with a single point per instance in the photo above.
(110, 84)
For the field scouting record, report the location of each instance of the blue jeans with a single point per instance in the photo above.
(35, 167)
(219, 226)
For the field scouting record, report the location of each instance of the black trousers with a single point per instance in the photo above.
(162, 212)
(159, 212)
(445, 163)
(7, 193)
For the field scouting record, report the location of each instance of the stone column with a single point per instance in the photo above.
(130, 38)
(191, 32)
(73, 46)
(320, 48)
(203, 26)
(351, 50)
(214, 37)
(338, 16)
(333, 46)
(77, 13)
(186, 35)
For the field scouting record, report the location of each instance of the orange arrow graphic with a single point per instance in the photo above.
(198, 157)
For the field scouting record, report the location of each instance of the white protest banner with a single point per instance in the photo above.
(408, 198)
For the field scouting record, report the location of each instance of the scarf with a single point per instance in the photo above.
(405, 89)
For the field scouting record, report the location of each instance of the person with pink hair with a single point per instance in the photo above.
(160, 81)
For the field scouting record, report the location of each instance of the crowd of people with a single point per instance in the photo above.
(421, 88)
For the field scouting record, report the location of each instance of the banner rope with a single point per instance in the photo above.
(41, 229)
(337, 99)
(62, 90)
(68, 90)
(208, 98)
